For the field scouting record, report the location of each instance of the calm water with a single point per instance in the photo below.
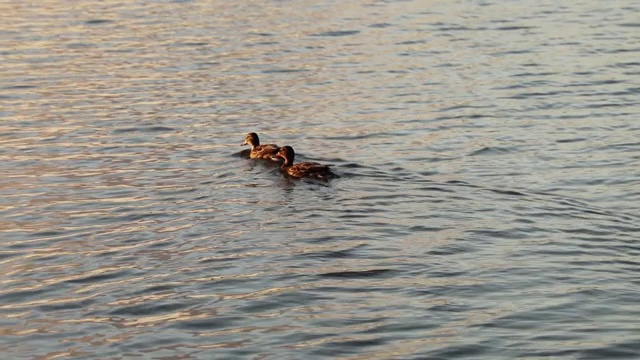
(488, 204)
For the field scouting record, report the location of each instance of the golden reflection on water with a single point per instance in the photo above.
(120, 192)
(63, 301)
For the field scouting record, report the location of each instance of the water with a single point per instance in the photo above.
(487, 206)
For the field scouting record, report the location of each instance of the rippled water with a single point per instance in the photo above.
(487, 205)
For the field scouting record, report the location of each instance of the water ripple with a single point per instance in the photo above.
(485, 209)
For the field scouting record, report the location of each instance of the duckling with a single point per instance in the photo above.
(267, 151)
(304, 169)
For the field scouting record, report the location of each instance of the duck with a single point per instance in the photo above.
(266, 152)
(303, 169)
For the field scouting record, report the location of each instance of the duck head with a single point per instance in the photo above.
(252, 139)
(287, 153)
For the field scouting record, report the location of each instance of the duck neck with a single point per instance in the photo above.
(287, 163)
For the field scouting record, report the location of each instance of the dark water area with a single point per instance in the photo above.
(487, 205)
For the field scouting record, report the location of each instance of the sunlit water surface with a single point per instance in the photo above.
(487, 208)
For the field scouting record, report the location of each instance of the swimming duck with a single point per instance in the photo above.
(267, 151)
(303, 169)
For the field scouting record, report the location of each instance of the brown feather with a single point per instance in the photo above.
(266, 151)
(304, 169)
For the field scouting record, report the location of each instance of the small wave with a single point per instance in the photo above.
(98, 21)
(337, 33)
(144, 129)
(508, 192)
(356, 274)
(380, 25)
(512, 28)
(490, 150)
(282, 71)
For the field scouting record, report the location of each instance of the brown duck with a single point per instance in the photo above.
(303, 169)
(267, 151)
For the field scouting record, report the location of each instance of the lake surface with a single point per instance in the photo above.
(488, 204)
